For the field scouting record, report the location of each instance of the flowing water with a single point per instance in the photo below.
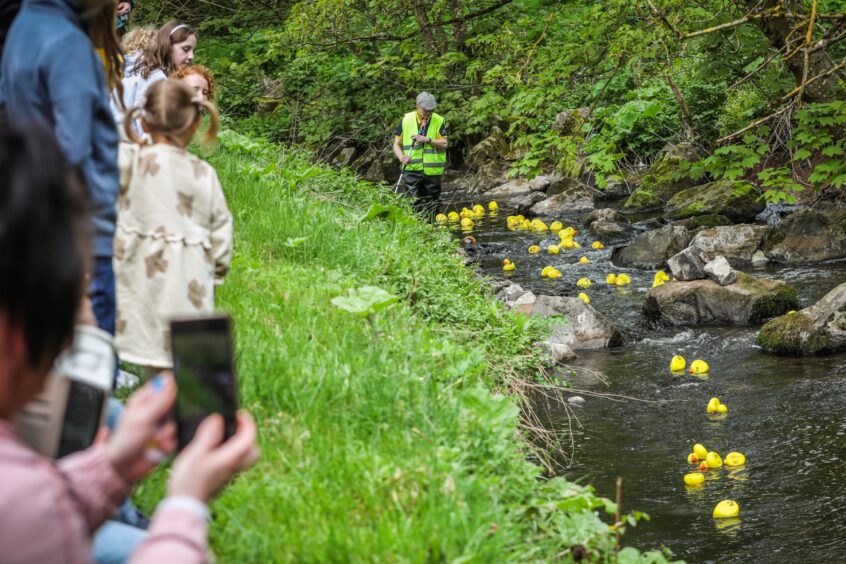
(787, 415)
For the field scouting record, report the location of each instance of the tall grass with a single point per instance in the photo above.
(386, 445)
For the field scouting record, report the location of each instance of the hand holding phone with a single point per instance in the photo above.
(205, 374)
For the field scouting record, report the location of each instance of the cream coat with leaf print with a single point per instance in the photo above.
(173, 244)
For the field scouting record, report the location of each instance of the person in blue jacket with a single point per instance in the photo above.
(51, 75)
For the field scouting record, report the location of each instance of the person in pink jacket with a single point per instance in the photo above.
(49, 509)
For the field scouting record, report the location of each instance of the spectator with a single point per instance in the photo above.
(122, 16)
(57, 505)
(200, 79)
(134, 43)
(174, 239)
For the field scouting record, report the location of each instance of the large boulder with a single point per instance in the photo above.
(738, 201)
(518, 299)
(704, 302)
(608, 223)
(492, 148)
(509, 190)
(809, 235)
(523, 204)
(653, 248)
(660, 182)
(687, 265)
(569, 122)
(577, 197)
(737, 243)
(818, 329)
(622, 187)
(586, 328)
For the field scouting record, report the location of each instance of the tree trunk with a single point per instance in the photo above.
(459, 29)
(425, 27)
(776, 30)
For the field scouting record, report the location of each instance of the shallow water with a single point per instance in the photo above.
(786, 415)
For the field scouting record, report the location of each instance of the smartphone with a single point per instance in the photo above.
(204, 367)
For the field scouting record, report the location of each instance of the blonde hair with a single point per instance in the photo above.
(170, 109)
(199, 70)
(139, 39)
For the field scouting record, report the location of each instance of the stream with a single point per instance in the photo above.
(785, 414)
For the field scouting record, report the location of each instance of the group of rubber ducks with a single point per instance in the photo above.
(703, 459)
(618, 279)
(467, 215)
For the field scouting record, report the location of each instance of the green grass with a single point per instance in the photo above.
(385, 444)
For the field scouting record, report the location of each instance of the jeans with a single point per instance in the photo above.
(115, 542)
(102, 294)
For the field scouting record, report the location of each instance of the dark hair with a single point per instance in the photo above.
(43, 240)
(104, 36)
(158, 56)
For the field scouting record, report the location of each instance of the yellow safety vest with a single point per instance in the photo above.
(424, 157)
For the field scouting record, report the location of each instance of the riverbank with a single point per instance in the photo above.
(385, 441)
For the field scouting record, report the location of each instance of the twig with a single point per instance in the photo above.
(619, 501)
(813, 79)
(753, 125)
(808, 38)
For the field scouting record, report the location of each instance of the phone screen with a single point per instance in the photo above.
(205, 374)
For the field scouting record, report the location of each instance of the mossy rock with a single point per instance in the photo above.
(738, 201)
(661, 182)
(808, 235)
(793, 335)
(642, 199)
(706, 221)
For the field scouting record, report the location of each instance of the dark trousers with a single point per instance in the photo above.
(101, 292)
(424, 190)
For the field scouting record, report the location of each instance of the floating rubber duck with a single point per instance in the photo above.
(538, 225)
(597, 245)
(677, 363)
(554, 273)
(521, 218)
(534, 249)
(453, 216)
(713, 460)
(508, 266)
(713, 406)
(545, 271)
(493, 206)
(791, 312)
(623, 280)
(735, 459)
(722, 408)
(467, 223)
(700, 451)
(584, 260)
(611, 279)
(465, 213)
(584, 297)
(556, 226)
(576, 245)
(567, 233)
(553, 249)
(660, 278)
(479, 209)
(526, 224)
(511, 222)
(698, 367)
(568, 243)
(441, 218)
(703, 466)
(584, 283)
(694, 479)
(726, 508)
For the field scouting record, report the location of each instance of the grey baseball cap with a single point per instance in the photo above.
(426, 101)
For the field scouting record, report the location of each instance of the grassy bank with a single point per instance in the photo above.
(382, 439)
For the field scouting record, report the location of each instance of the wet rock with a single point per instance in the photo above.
(773, 213)
(577, 401)
(809, 235)
(818, 329)
(704, 302)
(737, 243)
(659, 184)
(541, 182)
(653, 248)
(605, 214)
(759, 258)
(608, 223)
(510, 190)
(578, 198)
(738, 201)
(700, 222)
(523, 204)
(564, 185)
(687, 265)
(720, 271)
(586, 328)
(560, 352)
(622, 188)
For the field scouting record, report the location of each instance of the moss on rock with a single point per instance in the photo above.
(794, 335)
(643, 199)
(737, 201)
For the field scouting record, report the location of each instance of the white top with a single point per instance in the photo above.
(134, 89)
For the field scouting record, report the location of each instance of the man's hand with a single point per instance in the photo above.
(421, 139)
(123, 8)
(405, 159)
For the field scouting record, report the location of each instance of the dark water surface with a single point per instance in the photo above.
(787, 415)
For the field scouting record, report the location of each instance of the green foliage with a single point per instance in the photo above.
(365, 301)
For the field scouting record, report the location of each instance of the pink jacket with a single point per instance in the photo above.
(49, 510)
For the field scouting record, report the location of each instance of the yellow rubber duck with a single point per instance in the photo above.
(479, 210)
(554, 273)
(521, 218)
(726, 508)
(584, 283)
(545, 271)
(791, 312)
(623, 280)
(576, 245)
(534, 249)
(512, 222)
(453, 216)
(467, 223)
(713, 460)
(556, 226)
(735, 459)
(553, 249)
(567, 233)
(677, 363)
(584, 297)
(700, 451)
(441, 218)
(508, 266)
(526, 224)
(692, 459)
(698, 367)
(722, 408)
(713, 406)
(538, 225)
(584, 260)
(694, 479)
(660, 278)
(493, 206)
(465, 213)
(568, 243)
(611, 279)
(597, 245)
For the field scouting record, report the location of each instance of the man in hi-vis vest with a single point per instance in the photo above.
(421, 144)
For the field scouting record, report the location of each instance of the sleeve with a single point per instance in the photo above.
(72, 85)
(442, 132)
(178, 533)
(93, 484)
(221, 232)
(398, 130)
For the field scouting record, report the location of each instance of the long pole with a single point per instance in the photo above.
(402, 170)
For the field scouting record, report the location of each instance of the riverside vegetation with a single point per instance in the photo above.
(388, 439)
